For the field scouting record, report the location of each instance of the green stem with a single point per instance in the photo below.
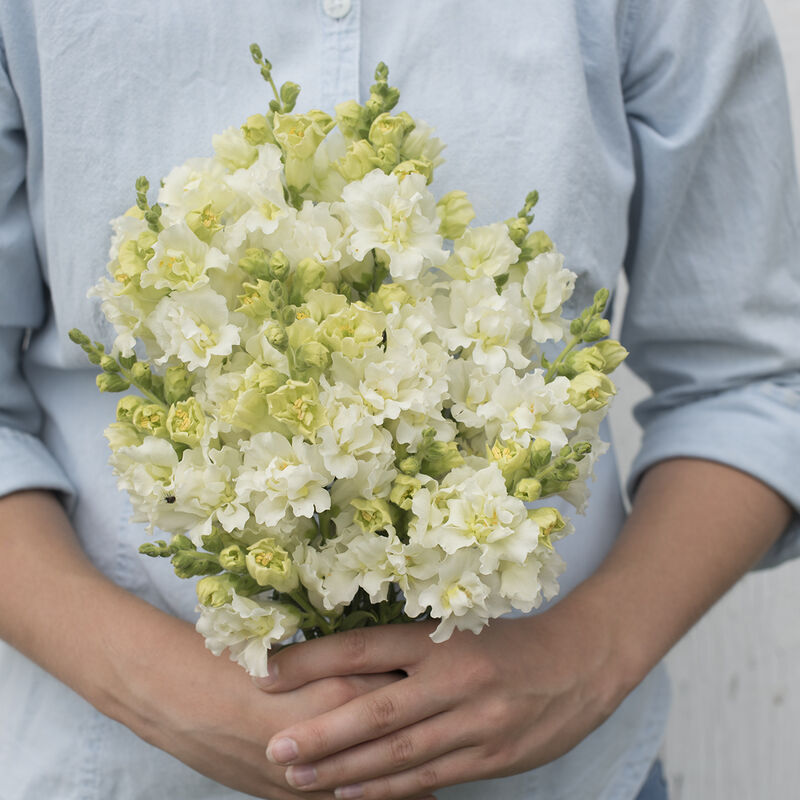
(316, 618)
(553, 369)
(146, 392)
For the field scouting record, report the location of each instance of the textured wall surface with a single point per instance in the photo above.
(734, 732)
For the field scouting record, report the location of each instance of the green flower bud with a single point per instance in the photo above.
(111, 382)
(312, 356)
(455, 213)
(215, 540)
(423, 166)
(255, 262)
(389, 130)
(528, 489)
(268, 379)
(534, 245)
(257, 130)
(517, 230)
(581, 360)
(79, 338)
(512, 459)
(372, 515)
(232, 558)
(109, 364)
(214, 590)
(310, 274)
(270, 565)
(204, 223)
(159, 549)
(177, 383)
(357, 161)
(181, 542)
(276, 335)
(549, 521)
(540, 453)
(613, 354)
(350, 119)
(403, 490)
(186, 422)
(279, 266)
(127, 405)
(255, 302)
(289, 92)
(597, 329)
(140, 372)
(297, 406)
(387, 157)
(600, 299)
(440, 458)
(189, 563)
(590, 391)
(299, 135)
(410, 465)
(122, 434)
(151, 419)
(581, 450)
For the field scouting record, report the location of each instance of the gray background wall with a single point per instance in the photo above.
(734, 733)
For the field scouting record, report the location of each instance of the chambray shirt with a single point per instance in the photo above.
(657, 134)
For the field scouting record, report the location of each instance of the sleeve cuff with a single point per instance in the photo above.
(755, 429)
(25, 463)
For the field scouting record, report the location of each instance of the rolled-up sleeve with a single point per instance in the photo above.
(25, 463)
(713, 314)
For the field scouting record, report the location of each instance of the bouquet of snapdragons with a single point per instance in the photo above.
(344, 412)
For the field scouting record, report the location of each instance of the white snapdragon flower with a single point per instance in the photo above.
(471, 388)
(527, 408)
(232, 149)
(489, 326)
(197, 184)
(181, 261)
(193, 326)
(278, 475)
(546, 286)
(204, 489)
(247, 626)
(486, 251)
(396, 217)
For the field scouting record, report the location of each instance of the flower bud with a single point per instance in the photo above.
(403, 490)
(79, 337)
(111, 382)
(312, 356)
(410, 465)
(127, 405)
(517, 230)
(232, 558)
(535, 244)
(613, 354)
(214, 590)
(581, 360)
(159, 549)
(372, 515)
(440, 458)
(189, 563)
(255, 262)
(455, 212)
(549, 521)
(388, 297)
(581, 450)
(590, 391)
(276, 335)
(350, 119)
(389, 130)
(257, 130)
(541, 454)
(177, 383)
(268, 379)
(289, 92)
(422, 166)
(181, 542)
(528, 489)
(109, 364)
(140, 372)
(186, 422)
(151, 419)
(387, 157)
(270, 565)
(357, 161)
(511, 458)
(310, 273)
(279, 266)
(597, 329)
(122, 434)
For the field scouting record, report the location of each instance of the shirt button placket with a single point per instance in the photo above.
(341, 37)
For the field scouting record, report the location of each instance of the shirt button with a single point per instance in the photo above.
(337, 9)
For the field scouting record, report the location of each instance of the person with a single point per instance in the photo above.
(657, 134)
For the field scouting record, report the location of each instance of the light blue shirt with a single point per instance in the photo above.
(657, 134)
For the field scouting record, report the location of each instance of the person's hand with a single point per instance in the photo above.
(518, 695)
(205, 710)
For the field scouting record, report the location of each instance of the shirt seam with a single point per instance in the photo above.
(630, 16)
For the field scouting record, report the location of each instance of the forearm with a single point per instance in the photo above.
(61, 612)
(696, 527)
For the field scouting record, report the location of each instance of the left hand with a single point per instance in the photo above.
(522, 693)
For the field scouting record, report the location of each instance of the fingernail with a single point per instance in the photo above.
(282, 751)
(267, 680)
(302, 775)
(349, 792)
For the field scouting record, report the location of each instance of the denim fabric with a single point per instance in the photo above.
(655, 787)
(657, 134)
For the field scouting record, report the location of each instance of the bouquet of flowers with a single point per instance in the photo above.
(345, 415)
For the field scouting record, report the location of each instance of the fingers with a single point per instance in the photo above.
(357, 652)
(396, 752)
(368, 717)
